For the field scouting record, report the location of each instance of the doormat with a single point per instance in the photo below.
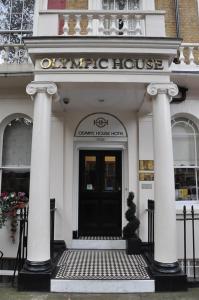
(107, 238)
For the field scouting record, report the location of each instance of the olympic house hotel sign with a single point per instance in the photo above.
(101, 125)
(102, 63)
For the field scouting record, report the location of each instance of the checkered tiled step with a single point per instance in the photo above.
(101, 264)
(107, 238)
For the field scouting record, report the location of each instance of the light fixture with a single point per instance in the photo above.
(66, 100)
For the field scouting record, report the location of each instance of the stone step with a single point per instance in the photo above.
(98, 244)
(102, 286)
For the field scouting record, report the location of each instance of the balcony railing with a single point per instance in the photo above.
(13, 54)
(188, 57)
(101, 23)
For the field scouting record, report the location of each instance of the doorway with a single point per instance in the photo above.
(100, 192)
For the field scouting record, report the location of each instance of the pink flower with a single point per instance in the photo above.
(21, 194)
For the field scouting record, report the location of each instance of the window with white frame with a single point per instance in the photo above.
(16, 154)
(185, 148)
(16, 20)
(121, 4)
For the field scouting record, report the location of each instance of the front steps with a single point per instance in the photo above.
(102, 286)
(101, 271)
(98, 244)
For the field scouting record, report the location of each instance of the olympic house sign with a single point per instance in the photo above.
(101, 125)
(102, 63)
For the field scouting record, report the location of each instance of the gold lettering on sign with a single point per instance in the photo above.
(46, 63)
(103, 63)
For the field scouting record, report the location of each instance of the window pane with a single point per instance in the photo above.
(17, 6)
(185, 184)
(120, 4)
(184, 150)
(16, 20)
(29, 6)
(90, 176)
(17, 143)
(110, 173)
(4, 15)
(14, 181)
(27, 21)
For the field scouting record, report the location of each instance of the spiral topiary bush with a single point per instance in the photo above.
(129, 231)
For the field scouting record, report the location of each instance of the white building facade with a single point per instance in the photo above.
(94, 102)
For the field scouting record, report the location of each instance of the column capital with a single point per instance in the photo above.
(170, 89)
(35, 87)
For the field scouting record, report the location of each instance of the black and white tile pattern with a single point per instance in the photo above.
(101, 264)
(107, 238)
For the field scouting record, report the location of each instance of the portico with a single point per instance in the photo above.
(123, 80)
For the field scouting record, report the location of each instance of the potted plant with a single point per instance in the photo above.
(133, 242)
(9, 205)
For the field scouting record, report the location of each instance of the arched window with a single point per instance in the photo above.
(16, 154)
(185, 149)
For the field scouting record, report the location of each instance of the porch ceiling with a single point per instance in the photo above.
(100, 96)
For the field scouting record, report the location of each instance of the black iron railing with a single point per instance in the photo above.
(52, 226)
(23, 235)
(190, 220)
(186, 218)
(151, 227)
(22, 217)
(1, 257)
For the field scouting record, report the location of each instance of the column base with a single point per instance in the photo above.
(166, 268)
(168, 277)
(35, 276)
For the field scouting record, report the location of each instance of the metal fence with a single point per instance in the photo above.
(23, 235)
(150, 210)
(189, 263)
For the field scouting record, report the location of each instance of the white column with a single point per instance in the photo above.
(39, 201)
(165, 211)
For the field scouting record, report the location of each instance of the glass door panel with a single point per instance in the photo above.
(110, 173)
(90, 175)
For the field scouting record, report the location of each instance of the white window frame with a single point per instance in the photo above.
(144, 4)
(192, 125)
(3, 126)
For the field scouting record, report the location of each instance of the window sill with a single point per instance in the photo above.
(188, 204)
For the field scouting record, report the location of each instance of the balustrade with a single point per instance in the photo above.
(13, 54)
(188, 55)
(103, 23)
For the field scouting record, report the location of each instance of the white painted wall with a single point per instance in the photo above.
(146, 188)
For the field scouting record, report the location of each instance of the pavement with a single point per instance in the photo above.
(9, 293)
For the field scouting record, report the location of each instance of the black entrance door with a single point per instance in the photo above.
(100, 190)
